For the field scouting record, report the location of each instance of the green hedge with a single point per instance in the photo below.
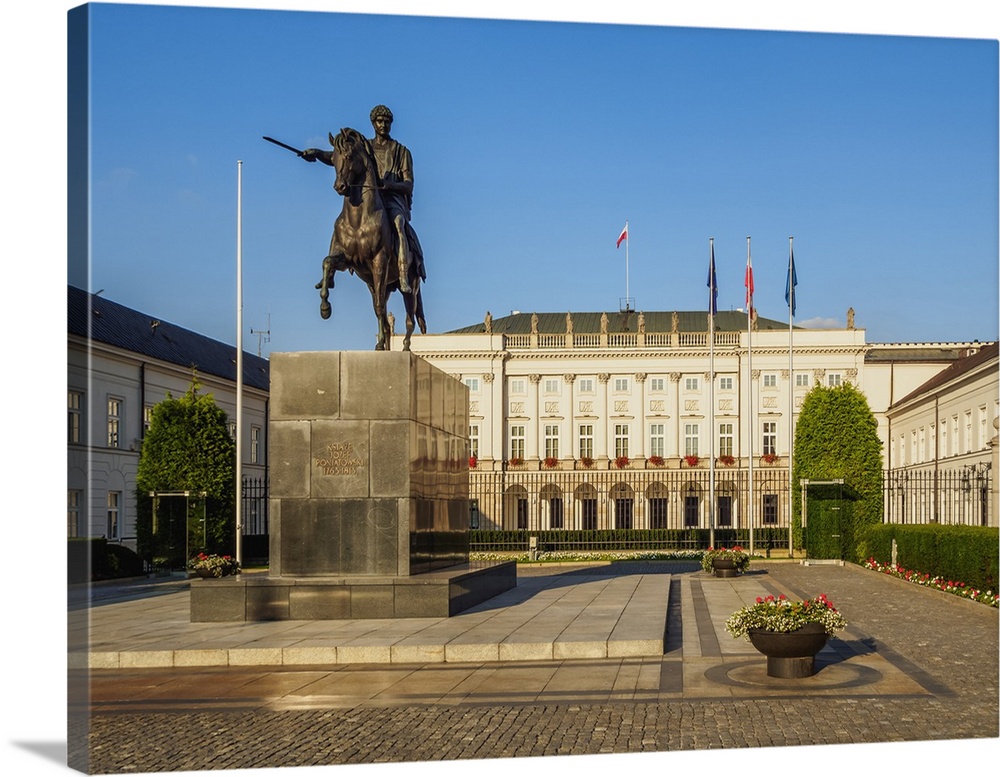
(622, 539)
(94, 558)
(967, 554)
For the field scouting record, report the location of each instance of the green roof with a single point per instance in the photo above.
(590, 323)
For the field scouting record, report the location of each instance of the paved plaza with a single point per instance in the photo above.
(625, 657)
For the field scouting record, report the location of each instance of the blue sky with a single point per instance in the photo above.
(533, 143)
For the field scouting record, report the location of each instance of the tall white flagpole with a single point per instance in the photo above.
(750, 425)
(239, 361)
(711, 391)
(626, 265)
(791, 389)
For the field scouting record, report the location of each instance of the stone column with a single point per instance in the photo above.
(533, 445)
(602, 449)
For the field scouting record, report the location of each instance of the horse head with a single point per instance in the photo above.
(352, 159)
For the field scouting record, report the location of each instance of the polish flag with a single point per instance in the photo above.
(748, 282)
(622, 236)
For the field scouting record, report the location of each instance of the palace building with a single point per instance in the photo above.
(635, 419)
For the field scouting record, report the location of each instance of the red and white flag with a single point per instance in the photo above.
(622, 236)
(748, 282)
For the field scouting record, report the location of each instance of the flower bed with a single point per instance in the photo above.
(571, 555)
(783, 615)
(941, 584)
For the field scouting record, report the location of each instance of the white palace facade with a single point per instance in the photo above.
(633, 420)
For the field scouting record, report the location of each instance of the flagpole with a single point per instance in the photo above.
(711, 391)
(791, 389)
(626, 265)
(239, 361)
(750, 427)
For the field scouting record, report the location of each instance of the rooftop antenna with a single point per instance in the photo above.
(263, 335)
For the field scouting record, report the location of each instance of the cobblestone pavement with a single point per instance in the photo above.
(943, 648)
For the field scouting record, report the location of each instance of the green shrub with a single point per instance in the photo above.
(967, 554)
(109, 561)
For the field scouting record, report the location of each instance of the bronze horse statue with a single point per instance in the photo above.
(364, 241)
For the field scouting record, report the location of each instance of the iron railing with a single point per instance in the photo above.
(960, 496)
(676, 499)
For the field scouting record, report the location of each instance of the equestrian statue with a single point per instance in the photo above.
(372, 236)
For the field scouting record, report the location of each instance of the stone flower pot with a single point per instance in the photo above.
(724, 567)
(790, 654)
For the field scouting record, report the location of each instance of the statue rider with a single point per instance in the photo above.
(395, 171)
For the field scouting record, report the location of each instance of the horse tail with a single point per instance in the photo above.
(418, 307)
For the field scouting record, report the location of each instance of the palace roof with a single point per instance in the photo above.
(101, 320)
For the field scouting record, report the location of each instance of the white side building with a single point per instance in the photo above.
(122, 362)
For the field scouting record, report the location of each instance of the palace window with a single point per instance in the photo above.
(656, 384)
(621, 440)
(691, 383)
(75, 419)
(690, 511)
(658, 513)
(518, 386)
(726, 439)
(770, 380)
(552, 385)
(517, 441)
(770, 437)
(255, 445)
(621, 385)
(114, 514)
(473, 384)
(726, 383)
(691, 439)
(834, 379)
(552, 441)
(586, 385)
(802, 380)
(73, 501)
(586, 441)
(656, 440)
(769, 508)
(114, 422)
(724, 512)
(555, 513)
(474, 440)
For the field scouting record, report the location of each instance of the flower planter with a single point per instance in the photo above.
(790, 654)
(724, 567)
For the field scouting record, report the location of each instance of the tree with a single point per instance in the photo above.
(188, 447)
(837, 437)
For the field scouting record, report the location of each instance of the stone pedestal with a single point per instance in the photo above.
(369, 496)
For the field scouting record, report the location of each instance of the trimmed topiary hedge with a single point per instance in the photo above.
(968, 554)
(94, 558)
(621, 539)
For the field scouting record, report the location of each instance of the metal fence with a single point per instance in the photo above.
(959, 496)
(254, 507)
(555, 499)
